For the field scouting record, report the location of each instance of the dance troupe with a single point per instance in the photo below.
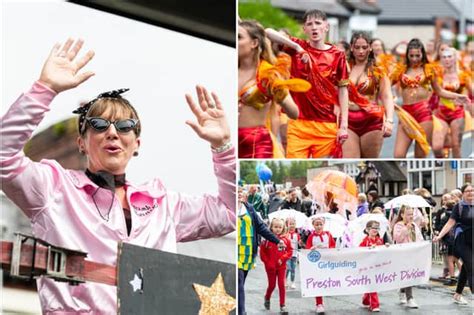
(310, 99)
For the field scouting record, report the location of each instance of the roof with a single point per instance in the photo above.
(419, 11)
(364, 7)
(298, 7)
(212, 20)
(389, 171)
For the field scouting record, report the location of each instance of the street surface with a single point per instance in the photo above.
(433, 298)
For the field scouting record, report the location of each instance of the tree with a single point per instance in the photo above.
(269, 16)
(248, 173)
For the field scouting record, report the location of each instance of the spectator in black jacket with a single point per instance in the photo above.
(249, 221)
(292, 202)
(462, 220)
(374, 201)
(447, 242)
(276, 201)
(307, 206)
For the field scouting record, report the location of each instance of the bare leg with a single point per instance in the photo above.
(283, 130)
(371, 144)
(428, 128)
(402, 143)
(351, 147)
(457, 130)
(439, 137)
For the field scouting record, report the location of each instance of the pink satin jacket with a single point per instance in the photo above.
(59, 203)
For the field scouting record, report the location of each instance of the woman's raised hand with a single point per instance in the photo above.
(211, 124)
(61, 70)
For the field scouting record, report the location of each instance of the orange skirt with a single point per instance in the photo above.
(310, 139)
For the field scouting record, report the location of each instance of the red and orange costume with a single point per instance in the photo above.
(411, 115)
(364, 94)
(275, 260)
(420, 110)
(447, 110)
(314, 134)
(371, 299)
(272, 83)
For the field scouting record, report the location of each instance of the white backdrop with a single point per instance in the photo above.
(159, 66)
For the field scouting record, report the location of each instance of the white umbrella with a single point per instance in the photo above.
(413, 201)
(357, 226)
(300, 218)
(336, 224)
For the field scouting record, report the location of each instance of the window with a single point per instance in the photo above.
(415, 180)
(426, 180)
(439, 183)
(467, 178)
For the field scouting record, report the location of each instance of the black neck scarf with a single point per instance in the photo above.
(106, 180)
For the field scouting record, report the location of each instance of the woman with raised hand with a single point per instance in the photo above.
(93, 210)
(263, 83)
(417, 79)
(451, 115)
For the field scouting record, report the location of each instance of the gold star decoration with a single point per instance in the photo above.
(214, 299)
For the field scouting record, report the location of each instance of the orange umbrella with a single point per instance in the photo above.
(334, 186)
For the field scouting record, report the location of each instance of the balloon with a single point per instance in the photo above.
(264, 173)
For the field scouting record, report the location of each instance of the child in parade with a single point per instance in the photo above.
(372, 228)
(405, 230)
(319, 239)
(274, 259)
(295, 240)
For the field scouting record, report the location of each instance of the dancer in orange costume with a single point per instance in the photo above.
(321, 127)
(451, 115)
(383, 59)
(263, 79)
(369, 83)
(417, 79)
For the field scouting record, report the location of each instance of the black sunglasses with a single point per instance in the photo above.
(122, 126)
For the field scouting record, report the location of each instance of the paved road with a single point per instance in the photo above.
(467, 146)
(434, 298)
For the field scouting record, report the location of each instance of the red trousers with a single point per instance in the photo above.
(371, 299)
(272, 275)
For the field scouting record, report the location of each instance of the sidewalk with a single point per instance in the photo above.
(432, 298)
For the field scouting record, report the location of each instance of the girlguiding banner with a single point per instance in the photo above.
(348, 271)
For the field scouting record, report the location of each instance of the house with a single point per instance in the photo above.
(343, 16)
(403, 20)
(392, 21)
